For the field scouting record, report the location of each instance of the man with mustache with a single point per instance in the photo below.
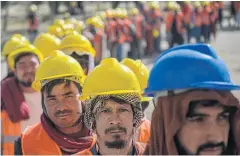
(61, 130)
(195, 113)
(114, 111)
(20, 103)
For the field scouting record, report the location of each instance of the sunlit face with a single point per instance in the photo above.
(206, 130)
(114, 124)
(26, 68)
(62, 105)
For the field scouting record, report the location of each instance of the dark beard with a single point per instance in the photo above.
(182, 150)
(118, 144)
(25, 84)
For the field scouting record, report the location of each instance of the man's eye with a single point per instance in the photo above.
(195, 119)
(224, 116)
(123, 110)
(105, 111)
(51, 99)
(68, 96)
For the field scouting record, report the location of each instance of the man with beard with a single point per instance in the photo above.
(196, 113)
(61, 130)
(114, 110)
(20, 104)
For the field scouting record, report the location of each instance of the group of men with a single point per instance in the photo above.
(136, 32)
(55, 101)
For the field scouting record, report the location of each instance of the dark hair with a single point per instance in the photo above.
(49, 86)
(18, 57)
(208, 103)
(83, 60)
(144, 105)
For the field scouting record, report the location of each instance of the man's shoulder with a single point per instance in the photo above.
(33, 130)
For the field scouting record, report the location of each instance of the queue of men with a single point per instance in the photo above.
(55, 101)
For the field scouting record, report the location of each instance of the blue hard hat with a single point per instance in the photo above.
(194, 66)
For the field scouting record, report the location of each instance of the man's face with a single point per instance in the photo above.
(205, 131)
(62, 105)
(114, 124)
(26, 69)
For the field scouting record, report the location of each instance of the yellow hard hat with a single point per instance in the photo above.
(66, 15)
(154, 5)
(11, 45)
(80, 26)
(46, 43)
(134, 11)
(109, 13)
(170, 5)
(197, 4)
(78, 43)
(33, 8)
(69, 32)
(59, 22)
(24, 48)
(56, 31)
(110, 77)
(176, 7)
(89, 21)
(102, 14)
(68, 26)
(57, 66)
(71, 21)
(21, 37)
(141, 71)
(205, 3)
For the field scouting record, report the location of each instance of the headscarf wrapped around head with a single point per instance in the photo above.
(170, 114)
(93, 106)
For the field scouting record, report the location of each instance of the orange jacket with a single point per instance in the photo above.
(206, 16)
(179, 21)
(197, 16)
(35, 141)
(144, 131)
(127, 29)
(187, 12)
(214, 8)
(120, 31)
(112, 27)
(97, 42)
(169, 21)
(139, 26)
(10, 132)
(236, 6)
(221, 4)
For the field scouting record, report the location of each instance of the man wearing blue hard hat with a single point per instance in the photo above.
(196, 113)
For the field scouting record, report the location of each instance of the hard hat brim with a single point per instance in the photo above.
(216, 86)
(202, 85)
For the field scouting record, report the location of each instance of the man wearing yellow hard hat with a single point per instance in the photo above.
(61, 130)
(80, 48)
(113, 111)
(46, 43)
(21, 105)
(142, 74)
(16, 40)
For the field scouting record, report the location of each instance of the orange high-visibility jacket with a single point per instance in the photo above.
(144, 131)
(10, 132)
